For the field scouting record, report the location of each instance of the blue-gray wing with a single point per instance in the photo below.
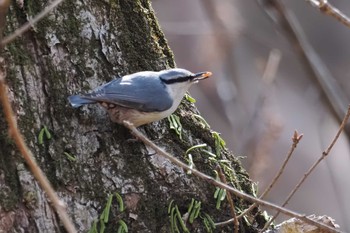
(142, 92)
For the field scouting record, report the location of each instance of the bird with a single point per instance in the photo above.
(143, 97)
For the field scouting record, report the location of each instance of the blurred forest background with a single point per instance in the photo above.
(257, 116)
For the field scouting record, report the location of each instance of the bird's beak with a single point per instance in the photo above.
(201, 75)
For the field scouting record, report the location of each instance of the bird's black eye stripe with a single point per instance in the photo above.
(177, 80)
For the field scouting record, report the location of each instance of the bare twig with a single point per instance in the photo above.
(4, 5)
(312, 168)
(229, 199)
(219, 184)
(296, 138)
(330, 10)
(25, 27)
(58, 205)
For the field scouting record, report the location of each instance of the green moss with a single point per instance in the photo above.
(137, 39)
(32, 8)
(159, 37)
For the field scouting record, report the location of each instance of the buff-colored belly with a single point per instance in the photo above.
(118, 114)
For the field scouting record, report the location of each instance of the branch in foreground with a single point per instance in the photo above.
(229, 199)
(330, 10)
(4, 5)
(219, 184)
(312, 168)
(58, 205)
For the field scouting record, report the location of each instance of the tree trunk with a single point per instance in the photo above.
(79, 46)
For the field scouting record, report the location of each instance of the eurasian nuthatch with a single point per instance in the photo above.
(142, 97)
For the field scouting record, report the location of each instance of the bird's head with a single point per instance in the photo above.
(177, 75)
(178, 81)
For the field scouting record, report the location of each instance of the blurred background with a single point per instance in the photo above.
(278, 66)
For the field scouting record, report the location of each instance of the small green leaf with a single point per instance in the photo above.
(190, 206)
(173, 222)
(196, 210)
(41, 137)
(195, 147)
(123, 227)
(210, 221)
(219, 143)
(221, 194)
(176, 227)
(225, 161)
(206, 224)
(218, 204)
(70, 157)
(198, 207)
(47, 133)
(190, 98)
(169, 207)
(120, 202)
(216, 194)
(93, 228)
(209, 153)
(175, 124)
(107, 208)
(182, 224)
(102, 226)
(201, 120)
(192, 217)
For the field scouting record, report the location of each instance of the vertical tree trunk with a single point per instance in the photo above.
(79, 46)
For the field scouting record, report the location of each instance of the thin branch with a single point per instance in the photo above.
(312, 168)
(4, 6)
(296, 138)
(330, 10)
(58, 205)
(25, 27)
(219, 184)
(229, 199)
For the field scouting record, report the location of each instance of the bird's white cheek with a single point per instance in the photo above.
(178, 92)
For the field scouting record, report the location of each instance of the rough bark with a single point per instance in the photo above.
(80, 45)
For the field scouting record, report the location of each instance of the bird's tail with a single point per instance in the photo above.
(76, 101)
